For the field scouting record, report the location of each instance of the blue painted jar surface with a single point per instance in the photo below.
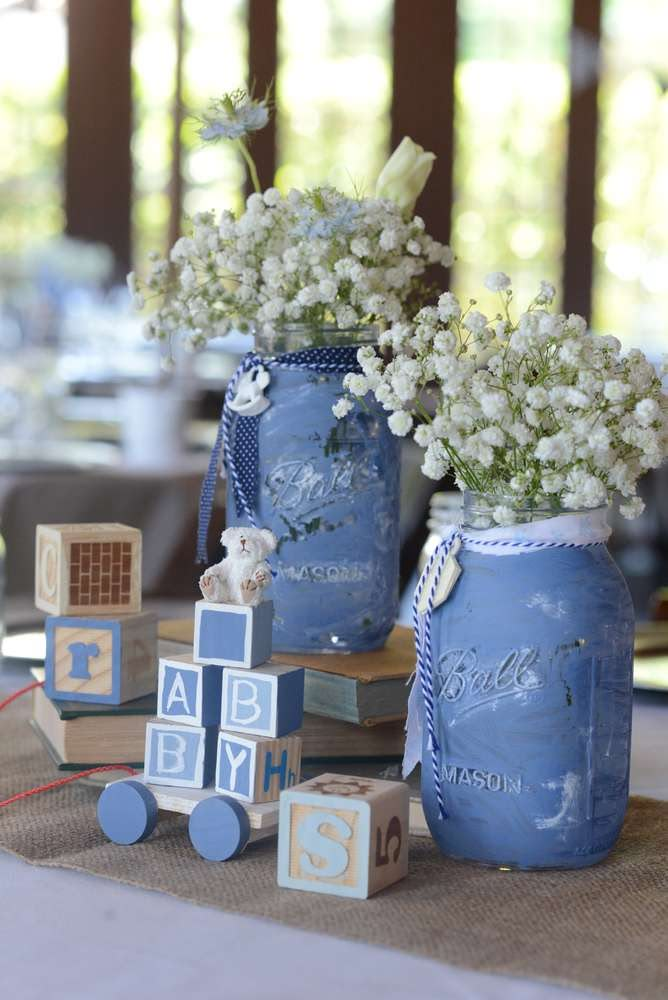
(329, 490)
(533, 674)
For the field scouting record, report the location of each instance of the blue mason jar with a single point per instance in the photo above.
(533, 676)
(329, 490)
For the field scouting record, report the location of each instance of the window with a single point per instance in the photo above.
(630, 235)
(510, 142)
(33, 67)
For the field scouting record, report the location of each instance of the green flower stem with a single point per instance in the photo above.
(250, 163)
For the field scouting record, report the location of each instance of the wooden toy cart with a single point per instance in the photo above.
(219, 827)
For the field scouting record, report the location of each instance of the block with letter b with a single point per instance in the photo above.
(189, 692)
(87, 569)
(103, 660)
(179, 755)
(267, 702)
(233, 635)
(256, 769)
(342, 835)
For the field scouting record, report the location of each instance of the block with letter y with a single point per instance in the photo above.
(103, 660)
(343, 835)
(179, 755)
(256, 769)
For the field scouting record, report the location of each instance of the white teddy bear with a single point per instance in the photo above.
(242, 575)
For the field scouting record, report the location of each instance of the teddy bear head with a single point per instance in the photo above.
(252, 544)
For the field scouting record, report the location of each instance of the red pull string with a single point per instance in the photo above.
(17, 694)
(66, 781)
(59, 781)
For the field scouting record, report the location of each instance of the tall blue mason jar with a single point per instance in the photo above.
(533, 668)
(329, 490)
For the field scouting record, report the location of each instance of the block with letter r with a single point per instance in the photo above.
(257, 769)
(233, 635)
(189, 692)
(267, 702)
(180, 755)
(343, 835)
(102, 660)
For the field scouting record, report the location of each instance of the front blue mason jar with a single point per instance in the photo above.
(533, 678)
(329, 490)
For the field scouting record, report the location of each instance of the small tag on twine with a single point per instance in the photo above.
(448, 578)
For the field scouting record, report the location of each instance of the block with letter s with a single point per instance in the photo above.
(343, 835)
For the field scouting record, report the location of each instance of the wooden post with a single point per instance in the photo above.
(262, 49)
(424, 46)
(581, 159)
(98, 169)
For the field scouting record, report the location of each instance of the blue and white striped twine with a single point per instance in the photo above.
(237, 435)
(422, 624)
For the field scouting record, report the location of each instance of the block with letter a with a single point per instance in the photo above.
(342, 835)
(87, 569)
(267, 702)
(180, 755)
(103, 660)
(189, 692)
(257, 769)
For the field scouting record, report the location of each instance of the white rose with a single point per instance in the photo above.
(405, 174)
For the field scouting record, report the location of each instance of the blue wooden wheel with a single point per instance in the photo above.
(219, 828)
(127, 812)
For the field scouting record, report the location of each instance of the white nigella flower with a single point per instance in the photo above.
(233, 116)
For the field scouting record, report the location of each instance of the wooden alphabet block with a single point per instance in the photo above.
(342, 835)
(267, 702)
(189, 692)
(233, 635)
(256, 769)
(89, 569)
(180, 755)
(103, 660)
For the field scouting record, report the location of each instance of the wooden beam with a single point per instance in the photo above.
(98, 168)
(262, 61)
(423, 99)
(581, 157)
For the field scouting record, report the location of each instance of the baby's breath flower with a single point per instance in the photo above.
(497, 281)
(556, 414)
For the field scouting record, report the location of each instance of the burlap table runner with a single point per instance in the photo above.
(603, 928)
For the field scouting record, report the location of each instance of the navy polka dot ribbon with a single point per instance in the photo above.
(237, 435)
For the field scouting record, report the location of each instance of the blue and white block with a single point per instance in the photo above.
(233, 635)
(255, 768)
(189, 692)
(180, 755)
(266, 702)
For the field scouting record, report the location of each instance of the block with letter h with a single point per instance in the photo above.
(179, 755)
(342, 835)
(104, 660)
(233, 635)
(87, 569)
(257, 769)
(266, 702)
(189, 692)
